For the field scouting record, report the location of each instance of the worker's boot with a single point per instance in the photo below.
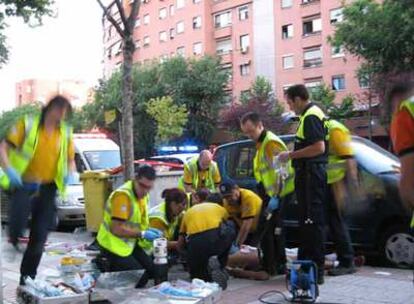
(342, 270)
(217, 273)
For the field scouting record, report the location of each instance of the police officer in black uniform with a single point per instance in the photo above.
(309, 159)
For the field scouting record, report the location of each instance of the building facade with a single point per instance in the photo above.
(41, 90)
(285, 41)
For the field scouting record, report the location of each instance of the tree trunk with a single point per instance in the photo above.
(127, 108)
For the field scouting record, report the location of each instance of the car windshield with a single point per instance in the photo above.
(76, 179)
(373, 158)
(99, 160)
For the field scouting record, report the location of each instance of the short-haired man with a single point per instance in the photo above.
(309, 158)
(125, 237)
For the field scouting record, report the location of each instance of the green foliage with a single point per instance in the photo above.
(380, 33)
(31, 11)
(196, 84)
(325, 98)
(171, 118)
(10, 118)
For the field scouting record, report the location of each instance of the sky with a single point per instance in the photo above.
(66, 47)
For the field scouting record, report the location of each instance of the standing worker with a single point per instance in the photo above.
(165, 216)
(402, 136)
(125, 237)
(37, 158)
(208, 236)
(309, 157)
(271, 188)
(244, 208)
(342, 174)
(200, 172)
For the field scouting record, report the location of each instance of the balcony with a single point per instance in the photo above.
(310, 7)
(226, 57)
(221, 32)
(312, 63)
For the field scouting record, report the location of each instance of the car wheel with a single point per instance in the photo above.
(398, 246)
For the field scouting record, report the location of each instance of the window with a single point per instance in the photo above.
(181, 51)
(197, 48)
(137, 44)
(180, 3)
(224, 46)
(172, 33)
(313, 83)
(163, 58)
(138, 22)
(286, 3)
(180, 27)
(287, 31)
(337, 15)
(312, 57)
(146, 19)
(309, 1)
(228, 68)
(244, 12)
(163, 36)
(197, 22)
(286, 87)
(196, 1)
(223, 19)
(337, 51)
(338, 82)
(244, 43)
(288, 62)
(364, 82)
(172, 10)
(312, 26)
(146, 41)
(245, 69)
(240, 164)
(163, 13)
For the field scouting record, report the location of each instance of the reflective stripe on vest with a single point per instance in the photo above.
(124, 246)
(159, 212)
(336, 166)
(20, 159)
(192, 166)
(266, 174)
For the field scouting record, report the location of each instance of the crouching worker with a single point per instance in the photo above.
(124, 237)
(208, 236)
(165, 217)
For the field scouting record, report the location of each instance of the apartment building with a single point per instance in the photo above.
(284, 40)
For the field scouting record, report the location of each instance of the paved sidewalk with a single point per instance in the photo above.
(368, 286)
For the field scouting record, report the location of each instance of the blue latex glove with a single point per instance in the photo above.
(156, 231)
(234, 249)
(273, 204)
(14, 177)
(149, 235)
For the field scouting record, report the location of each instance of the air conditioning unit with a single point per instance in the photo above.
(245, 50)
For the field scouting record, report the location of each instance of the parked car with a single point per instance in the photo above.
(378, 223)
(179, 158)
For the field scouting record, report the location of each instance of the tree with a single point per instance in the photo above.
(171, 118)
(31, 11)
(380, 33)
(125, 29)
(9, 118)
(325, 98)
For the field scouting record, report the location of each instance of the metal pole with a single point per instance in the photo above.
(370, 112)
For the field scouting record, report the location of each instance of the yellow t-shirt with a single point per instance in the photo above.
(340, 143)
(43, 166)
(121, 206)
(202, 217)
(250, 207)
(202, 177)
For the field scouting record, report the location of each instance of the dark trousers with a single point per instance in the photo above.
(201, 246)
(41, 205)
(339, 232)
(137, 260)
(310, 188)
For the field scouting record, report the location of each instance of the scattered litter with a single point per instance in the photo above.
(383, 273)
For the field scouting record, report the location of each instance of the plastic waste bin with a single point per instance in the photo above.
(97, 187)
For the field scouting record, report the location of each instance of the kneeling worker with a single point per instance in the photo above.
(209, 237)
(244, 208)
(125, 237)
(166, 215)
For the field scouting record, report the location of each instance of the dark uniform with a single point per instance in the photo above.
(311, 186)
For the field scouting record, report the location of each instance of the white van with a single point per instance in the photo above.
(92, 152)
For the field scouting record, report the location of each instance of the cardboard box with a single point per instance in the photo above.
(25, 296)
